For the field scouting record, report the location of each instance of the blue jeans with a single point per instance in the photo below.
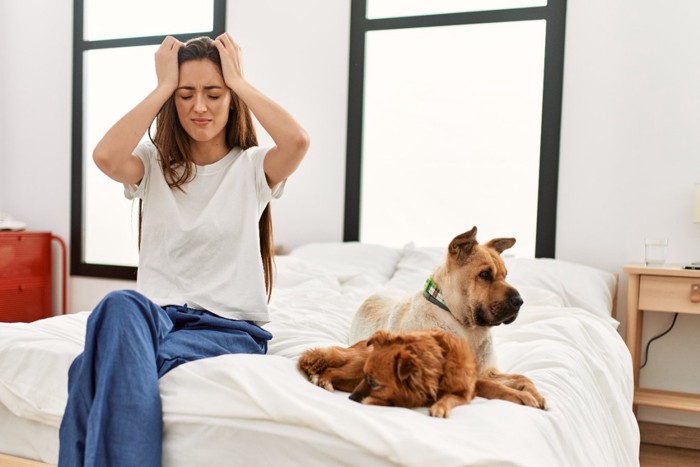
(113, 416)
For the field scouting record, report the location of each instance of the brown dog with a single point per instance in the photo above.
(465, 296)
(415, 369)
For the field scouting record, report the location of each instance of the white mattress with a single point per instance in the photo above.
(248, 409)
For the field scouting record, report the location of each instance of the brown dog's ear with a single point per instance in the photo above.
(462, 245)
(501, 244)
(406, 364)
(443, 340)
(380, 337)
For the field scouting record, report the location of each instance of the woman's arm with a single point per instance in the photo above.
(114, 153)
(291, 140)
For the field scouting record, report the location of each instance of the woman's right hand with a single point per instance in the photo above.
(166, 63)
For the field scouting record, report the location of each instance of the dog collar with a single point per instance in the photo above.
(433, 294)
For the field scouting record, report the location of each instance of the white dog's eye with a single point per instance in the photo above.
(486, 275)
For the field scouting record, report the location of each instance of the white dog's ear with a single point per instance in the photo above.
(462, 245)
(501, 244)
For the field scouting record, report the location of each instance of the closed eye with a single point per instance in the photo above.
(486, 275)
(371, 382)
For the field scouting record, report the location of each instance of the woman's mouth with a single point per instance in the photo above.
(200, 121)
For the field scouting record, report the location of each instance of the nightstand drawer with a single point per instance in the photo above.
(25, 255)
(662, 293)
(25, 302)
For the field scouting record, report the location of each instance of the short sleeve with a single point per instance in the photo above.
(146, 152)
(265, 194)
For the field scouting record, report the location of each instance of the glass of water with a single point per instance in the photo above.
(655, 251)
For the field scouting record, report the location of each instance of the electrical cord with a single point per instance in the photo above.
(646, 351)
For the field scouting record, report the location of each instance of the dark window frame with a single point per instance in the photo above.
(78, 266)
(555, 15)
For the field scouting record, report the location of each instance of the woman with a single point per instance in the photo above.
(205, 250)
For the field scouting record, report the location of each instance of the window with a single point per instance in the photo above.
(113, 69)
(454, 115)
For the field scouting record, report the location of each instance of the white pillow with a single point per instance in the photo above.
(414, 267)
(407, 269)
(349, 260)
(537, 296)
(292, 272)
(578, 285)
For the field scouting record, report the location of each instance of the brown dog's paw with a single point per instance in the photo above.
(313, 364)
(443, 406)
(439, 410)
(321, 382)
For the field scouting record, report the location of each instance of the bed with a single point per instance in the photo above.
(259, 410)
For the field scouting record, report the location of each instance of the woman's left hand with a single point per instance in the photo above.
(291, 141)
(231, 60)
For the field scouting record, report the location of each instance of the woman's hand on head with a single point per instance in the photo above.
(166, 63)
(231, 60)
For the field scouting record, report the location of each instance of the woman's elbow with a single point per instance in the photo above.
(301, 143)
(102, 160)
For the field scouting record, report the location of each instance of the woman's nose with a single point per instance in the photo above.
(199, 104)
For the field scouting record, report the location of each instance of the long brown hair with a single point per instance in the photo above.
(173, 145)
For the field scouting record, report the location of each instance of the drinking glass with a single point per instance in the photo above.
(655, 251)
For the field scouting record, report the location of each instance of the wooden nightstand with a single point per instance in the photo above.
(665, 289)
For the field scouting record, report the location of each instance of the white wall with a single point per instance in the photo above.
(35, 115)
(628, 153)
(4, 26)
(36, 62)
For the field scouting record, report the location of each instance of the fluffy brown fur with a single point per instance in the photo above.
(414, 369)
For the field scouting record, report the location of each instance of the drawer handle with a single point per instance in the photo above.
(20, 288)
(695, 293)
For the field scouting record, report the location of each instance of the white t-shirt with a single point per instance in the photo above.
(201, 247)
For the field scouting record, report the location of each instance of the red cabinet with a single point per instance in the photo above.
(25, 275)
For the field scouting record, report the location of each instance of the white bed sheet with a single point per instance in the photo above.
(249, 410)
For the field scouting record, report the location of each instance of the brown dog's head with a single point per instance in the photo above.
(402, 370)
(473, 281)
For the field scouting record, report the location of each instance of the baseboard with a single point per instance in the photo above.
(670, 435)
(12, 461)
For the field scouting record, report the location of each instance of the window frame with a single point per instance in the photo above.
(555, 15)
(78, 265)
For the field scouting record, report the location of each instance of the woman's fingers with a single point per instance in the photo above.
(170, 43)
(166, 62)
(225, 39)
(231, 64)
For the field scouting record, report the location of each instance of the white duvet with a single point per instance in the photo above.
(259, 410)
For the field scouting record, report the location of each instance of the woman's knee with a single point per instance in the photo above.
(122, 305)
(120, 299)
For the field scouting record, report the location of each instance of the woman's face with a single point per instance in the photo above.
(202, 101)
